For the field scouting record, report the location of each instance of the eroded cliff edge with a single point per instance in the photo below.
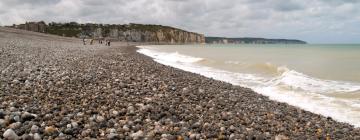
(129, 32)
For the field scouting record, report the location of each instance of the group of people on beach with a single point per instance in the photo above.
(107, 42)
(101, 41)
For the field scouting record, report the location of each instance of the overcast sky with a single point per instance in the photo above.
(315, 21)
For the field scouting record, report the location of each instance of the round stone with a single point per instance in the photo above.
(50, 130)
(2, 123)
(37, 136)
(74, 124)
(138, 135)
(100, 119)
(17, 118)
(10, 134)
(34, 129)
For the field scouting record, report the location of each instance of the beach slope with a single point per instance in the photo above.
(55, 87)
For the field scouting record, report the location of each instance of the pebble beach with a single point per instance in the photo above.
(54, 87)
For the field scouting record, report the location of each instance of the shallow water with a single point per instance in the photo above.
(324, 79)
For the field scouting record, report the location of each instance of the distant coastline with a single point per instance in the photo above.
(249, 40)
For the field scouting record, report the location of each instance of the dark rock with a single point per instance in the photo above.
(27, 117)
(2, 114)
(26, 137)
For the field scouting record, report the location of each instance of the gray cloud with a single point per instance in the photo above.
(287, 5)
(312, 20)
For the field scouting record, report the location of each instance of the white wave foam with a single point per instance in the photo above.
(299, 81)
(291, 87)
(234, 62)
(170, 57)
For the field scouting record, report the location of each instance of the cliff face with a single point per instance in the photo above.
(172, 36)
(131, 32)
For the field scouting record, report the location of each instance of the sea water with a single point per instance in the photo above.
(323, 79)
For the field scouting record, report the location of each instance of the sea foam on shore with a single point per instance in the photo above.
(287, 86)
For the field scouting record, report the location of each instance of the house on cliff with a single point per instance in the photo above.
(33, 26)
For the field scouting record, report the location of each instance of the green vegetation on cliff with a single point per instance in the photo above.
(74, 29)
(126, 32)
(68, 29)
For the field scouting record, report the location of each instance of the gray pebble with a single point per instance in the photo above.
(34, 129)
(100, 118)
(112, 136)
(138, 135)
(2, 123)
(17, 118)
(10, 134)
(37, 136)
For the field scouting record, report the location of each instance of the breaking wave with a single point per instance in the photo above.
(289, 86)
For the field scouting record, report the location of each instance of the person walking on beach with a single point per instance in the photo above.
(108, 43)
(84, 42)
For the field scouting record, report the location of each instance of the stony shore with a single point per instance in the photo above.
(56, 88)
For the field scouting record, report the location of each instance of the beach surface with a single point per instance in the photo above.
(54, 87)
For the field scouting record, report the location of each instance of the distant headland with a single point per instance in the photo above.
(249, 40)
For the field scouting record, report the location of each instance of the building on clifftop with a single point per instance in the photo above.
(33, 26)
